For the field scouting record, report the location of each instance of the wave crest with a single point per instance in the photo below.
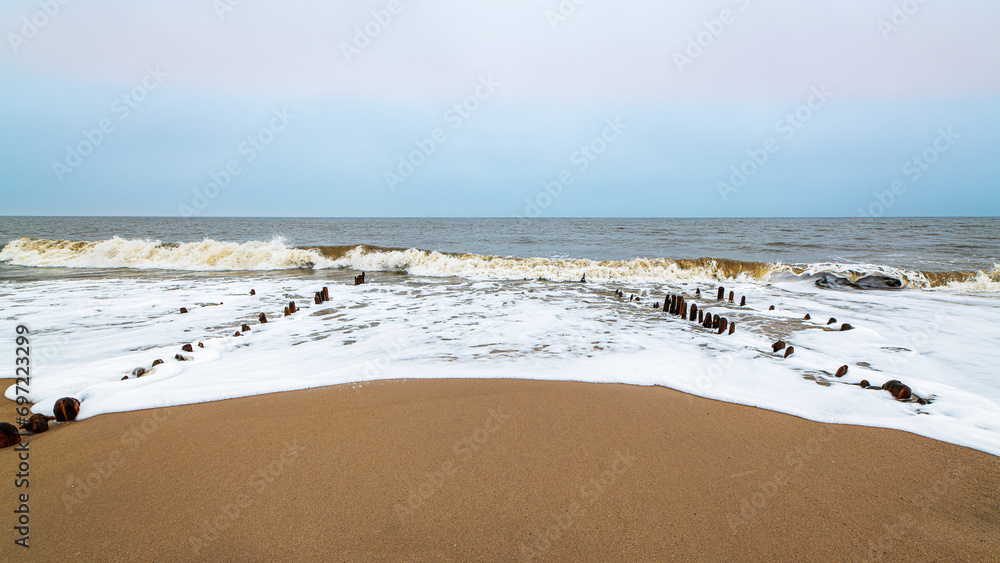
(153, 254)
(211, 255)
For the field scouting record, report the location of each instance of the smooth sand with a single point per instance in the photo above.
(497, 470)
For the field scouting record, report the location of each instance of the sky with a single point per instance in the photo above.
(513, 108)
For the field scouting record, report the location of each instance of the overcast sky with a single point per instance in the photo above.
(505, 108)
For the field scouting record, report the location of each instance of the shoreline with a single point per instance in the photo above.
(467, 469)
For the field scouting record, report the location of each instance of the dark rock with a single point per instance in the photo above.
(898, 391)
(9, 435)
(66, 409)
(37, 423)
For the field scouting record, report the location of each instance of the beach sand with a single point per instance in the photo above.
(496, 470)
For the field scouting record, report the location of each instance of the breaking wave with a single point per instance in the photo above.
(211, 255)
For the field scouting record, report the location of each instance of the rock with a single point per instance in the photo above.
(771, 308)
(252, 292)
(864, 384)
(66, 409)
(200, 345)
(245, 327)
(789, 351)
(779, 345)
(157, 362)
(831, 321)
(187, 348)
(262, 318)
(878, 282)
(181, 358)
(807, 317)
(183, 310)
(898, 391)
(842, 371)
(237, 333)
(37, 423)
(9, 435)
(845, 326)
(139, 372)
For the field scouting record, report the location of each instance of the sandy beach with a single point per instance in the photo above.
(428, 470)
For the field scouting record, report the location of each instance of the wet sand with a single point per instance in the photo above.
(496, 470)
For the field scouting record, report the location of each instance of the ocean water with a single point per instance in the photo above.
(504, 298)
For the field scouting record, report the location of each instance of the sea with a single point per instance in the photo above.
(549, 299)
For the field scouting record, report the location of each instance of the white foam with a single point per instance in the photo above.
(88, 334)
